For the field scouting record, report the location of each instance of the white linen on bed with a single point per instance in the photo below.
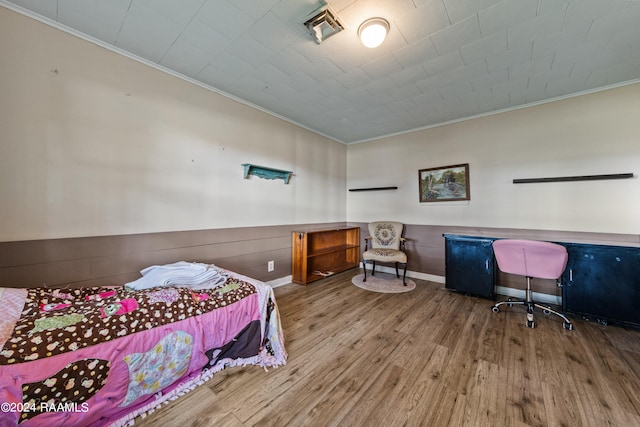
(183, 274)
(11, 304)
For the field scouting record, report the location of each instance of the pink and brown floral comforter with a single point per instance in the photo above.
(101, 356)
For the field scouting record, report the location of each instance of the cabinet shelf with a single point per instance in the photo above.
(321, 253)
(339, 248)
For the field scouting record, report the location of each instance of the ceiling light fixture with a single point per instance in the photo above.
(373, 31)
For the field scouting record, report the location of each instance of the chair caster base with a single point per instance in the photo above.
(531, 324)
(568, 326)
(495, 309)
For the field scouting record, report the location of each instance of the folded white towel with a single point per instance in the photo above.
(180, 265)
(180, 274)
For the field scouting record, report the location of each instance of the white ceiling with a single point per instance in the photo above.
(443, 60)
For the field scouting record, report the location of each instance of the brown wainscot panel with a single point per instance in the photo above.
(114, 260)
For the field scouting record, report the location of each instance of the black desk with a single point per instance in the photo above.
(601, 282)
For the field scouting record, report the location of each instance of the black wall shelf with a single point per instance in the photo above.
(574, 178)
(373, 189)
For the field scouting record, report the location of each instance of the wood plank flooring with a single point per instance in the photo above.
(429, 357)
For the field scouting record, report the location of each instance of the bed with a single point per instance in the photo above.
(102, 356)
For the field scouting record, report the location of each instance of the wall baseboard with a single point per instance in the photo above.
(522, 294)
(500, 290)
(414, 274)
(280, 281)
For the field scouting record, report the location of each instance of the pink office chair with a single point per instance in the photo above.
(531, 258)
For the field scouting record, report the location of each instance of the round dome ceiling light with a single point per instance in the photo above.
(373, 31)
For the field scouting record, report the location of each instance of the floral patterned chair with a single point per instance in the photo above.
(385, 245)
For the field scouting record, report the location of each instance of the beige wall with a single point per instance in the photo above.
(587, 135)
(93, 143)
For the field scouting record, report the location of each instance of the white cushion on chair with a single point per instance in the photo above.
(384, 255)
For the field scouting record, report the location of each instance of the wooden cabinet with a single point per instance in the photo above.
(321, 253)
(602, 283)
(469, 265)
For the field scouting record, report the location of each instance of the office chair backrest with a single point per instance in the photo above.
(530, 258)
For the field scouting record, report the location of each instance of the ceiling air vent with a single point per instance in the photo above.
(324, 23)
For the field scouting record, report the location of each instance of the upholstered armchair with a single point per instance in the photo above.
(385, 244)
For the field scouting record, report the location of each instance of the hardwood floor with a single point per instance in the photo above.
(428, 357)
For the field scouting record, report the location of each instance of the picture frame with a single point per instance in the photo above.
(444, 183)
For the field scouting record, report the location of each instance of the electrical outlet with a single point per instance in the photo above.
(270, 266)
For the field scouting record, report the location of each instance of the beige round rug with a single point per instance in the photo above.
(383, 282)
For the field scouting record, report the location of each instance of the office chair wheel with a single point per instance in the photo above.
(495, 309)
(531, 324)
(510, 305)
(547, 312)
(568, 326)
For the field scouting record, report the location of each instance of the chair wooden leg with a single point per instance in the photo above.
(364, 265)
(404, 275)
(373, 270)
(397, 274)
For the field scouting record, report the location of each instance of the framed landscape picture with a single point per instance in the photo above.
(444, 184)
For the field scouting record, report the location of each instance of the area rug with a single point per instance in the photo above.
(383, 282)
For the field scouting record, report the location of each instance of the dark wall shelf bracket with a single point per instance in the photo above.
(373, 189)
(573, 178)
